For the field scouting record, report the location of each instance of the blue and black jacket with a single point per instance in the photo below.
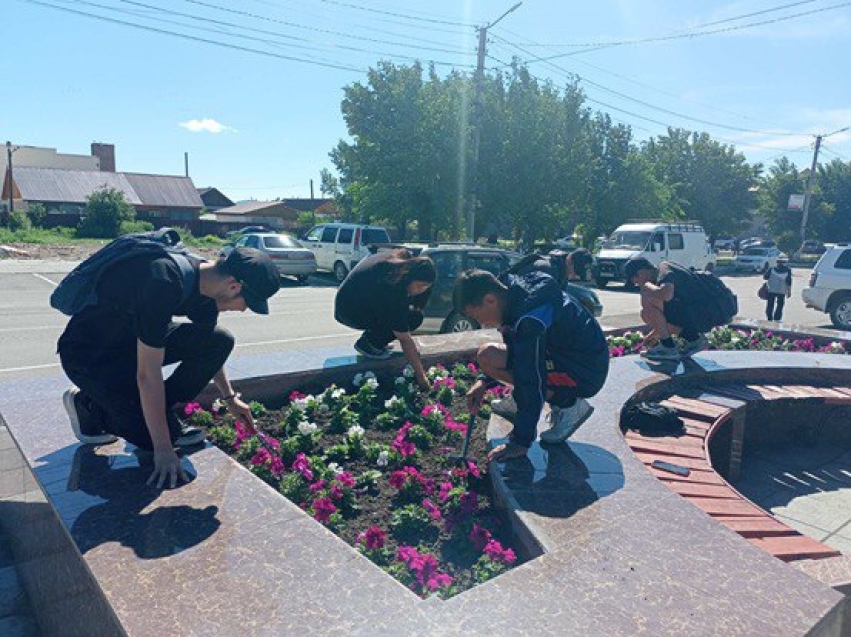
(548, 334)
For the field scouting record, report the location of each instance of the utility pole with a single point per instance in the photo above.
(473, 197)
(808, 193)
(9, 152)
(186, 163)
(311, 189)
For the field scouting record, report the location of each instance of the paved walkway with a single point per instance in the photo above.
(807, 487)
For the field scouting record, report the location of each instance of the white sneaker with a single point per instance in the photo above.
(662, 353)
(81, 420)
(690, 348)
(505, 408)
(566, 420)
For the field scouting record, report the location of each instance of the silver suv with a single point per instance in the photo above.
(830, 286)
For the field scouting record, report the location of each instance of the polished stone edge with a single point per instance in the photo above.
(52, 570)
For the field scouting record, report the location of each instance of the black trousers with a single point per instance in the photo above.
(375, 329)
(774, 306)
(107, 378)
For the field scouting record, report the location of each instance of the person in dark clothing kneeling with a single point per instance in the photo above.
(384, 295)
(553, 351)
(114, 351)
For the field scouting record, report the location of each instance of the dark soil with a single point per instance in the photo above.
(377, 504)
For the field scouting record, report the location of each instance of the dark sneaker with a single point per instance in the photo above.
(367, 349)
(82, 421)
(661, 353)
(505, 408)
(189, 436)
(690, 348)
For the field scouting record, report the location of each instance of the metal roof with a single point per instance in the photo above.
(73, 186)
(165, 190)
(252, 207)
(68, 186)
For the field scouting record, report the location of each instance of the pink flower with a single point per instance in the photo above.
(191, 408)
(439, 580)
(474, 469)
(345, 478)
(445, 488)
(323, 508)
(277, 467)
(336, 492)
(433, 511)
(480, 537)
(405, 448)
(262, 457)
(317, 486)
(494, 550)
(296, 395)
(472, 367)
(398, 479)
(302, 465)
(374, 538)
(242, 434)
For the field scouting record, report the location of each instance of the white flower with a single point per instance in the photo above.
(408, 372)
(411, 388)
(401, 380)
(335, 468)
(302, 403)
(218, 405)
(358, 380)
(338, 393)
(372, 382)
(355, 431)
(392, 402)
(305, 428)
(383, 459)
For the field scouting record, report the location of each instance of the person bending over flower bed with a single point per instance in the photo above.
(385, 295)
(553, 351)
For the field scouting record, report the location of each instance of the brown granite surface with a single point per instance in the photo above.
(227, 555)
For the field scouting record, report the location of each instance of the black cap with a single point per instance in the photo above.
(634, 266)
(258, 275)
(581, 258)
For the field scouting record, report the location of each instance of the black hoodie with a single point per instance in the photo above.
(542, 323)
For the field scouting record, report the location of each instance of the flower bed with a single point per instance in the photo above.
(373, 463)
(730, 338)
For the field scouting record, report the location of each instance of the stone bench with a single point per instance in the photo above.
(618, 552)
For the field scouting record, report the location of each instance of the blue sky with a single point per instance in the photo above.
(764, 75)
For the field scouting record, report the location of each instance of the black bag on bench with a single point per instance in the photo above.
(652, 418)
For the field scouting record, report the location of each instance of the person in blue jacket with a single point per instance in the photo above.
(553, 351)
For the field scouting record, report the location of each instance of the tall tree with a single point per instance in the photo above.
(711, 182)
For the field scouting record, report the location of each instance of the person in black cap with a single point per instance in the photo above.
(114, 351)
(678, 301)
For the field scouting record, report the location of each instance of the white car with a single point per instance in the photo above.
(289, 256)
(757, 259)
(830, 286)
(339, 246)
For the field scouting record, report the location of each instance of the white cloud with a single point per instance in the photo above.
(206, 125)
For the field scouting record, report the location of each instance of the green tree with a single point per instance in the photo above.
(710, 181)
(104, 213)
(833, 202)
(37, 214)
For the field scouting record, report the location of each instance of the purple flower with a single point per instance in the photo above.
(480, 537)
(374, 538)
(323, 508)
(433, 510)
(302, 465)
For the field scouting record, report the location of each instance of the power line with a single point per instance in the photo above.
(398, 15)
(324, 31)
(588, 47)
(648, 104)
(194, 38)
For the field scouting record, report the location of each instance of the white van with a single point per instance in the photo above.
(684, 243)
(339, 246)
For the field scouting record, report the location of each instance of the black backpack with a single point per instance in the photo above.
(652, 418)
(716, 303)
(78, 289)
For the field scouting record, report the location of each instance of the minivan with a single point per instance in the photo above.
(684, 243)
(339, 246)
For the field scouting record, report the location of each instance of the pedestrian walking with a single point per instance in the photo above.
(778, 288)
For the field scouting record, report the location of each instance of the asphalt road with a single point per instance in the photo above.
(301, 317)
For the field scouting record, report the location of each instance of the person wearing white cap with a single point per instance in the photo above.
(778, 287)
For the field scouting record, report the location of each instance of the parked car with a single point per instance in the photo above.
(723, 243)
(811, 247)
(829, 289)
(290, 257)
(451, 259)
(248, 230)
(757, 259)
(339, 246)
